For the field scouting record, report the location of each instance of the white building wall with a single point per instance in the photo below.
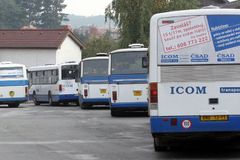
(69, 51)
(29, 57)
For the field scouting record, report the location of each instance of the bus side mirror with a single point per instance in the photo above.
(145, 62)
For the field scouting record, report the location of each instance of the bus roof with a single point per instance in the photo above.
(2, 65)
(129, 50)
(196, 12)
(50, 66)
(95, 58)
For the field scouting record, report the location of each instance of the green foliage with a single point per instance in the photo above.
(104, 44)
(30, 11)
(10, 14)
(51, 16)
(38, 13)
(133, 16)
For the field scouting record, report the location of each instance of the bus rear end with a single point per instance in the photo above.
(94, 82)
(13, 84)
(128, 81)
(194, 76)
(67, 86)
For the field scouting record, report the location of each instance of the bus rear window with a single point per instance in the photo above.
(128, 63)
(97, 67)
(69, 72)
(11, 72)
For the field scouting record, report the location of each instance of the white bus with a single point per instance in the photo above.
(128, 83)
(53, 84)
(194, 75)
(93, 86)
(13, 84)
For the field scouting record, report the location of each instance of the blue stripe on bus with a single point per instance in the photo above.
(13, 83)
(56, 98)
(131, 78)
(93, 100)
(163, 125)
(20, 99)
(95, 79)
(130, 105)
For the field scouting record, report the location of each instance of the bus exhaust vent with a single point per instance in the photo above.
(200, 73)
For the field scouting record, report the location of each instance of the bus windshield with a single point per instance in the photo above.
(97, 67)
(69, 72)
(11, 72)
(128, 63)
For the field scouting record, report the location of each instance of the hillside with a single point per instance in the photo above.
(76, 21)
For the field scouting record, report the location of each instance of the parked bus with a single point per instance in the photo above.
(128, 82)
(194, 75)
(53, 84)
(13, 84)
(93, 86)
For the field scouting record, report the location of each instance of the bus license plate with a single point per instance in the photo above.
(214, 118)
(103, 91)
(137, 93)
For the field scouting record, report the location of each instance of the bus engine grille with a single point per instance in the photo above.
(200, 73)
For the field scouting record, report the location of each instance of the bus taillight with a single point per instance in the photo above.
(85, 92)
(114, 95)
(26, 91)
(153, 92)
(60, 88)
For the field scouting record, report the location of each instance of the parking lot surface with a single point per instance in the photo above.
(69, 133)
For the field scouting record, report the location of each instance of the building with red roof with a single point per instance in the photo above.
(34, 47)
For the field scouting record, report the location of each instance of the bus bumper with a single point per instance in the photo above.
(135, 106)
(193, 124)
(13, 100)
(95, 101)
(66, 98)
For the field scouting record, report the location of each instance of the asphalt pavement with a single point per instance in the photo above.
(69, 133)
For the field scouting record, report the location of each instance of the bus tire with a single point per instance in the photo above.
(158, 147)
(50, 100)
(36, 103)
(114, 113)
(13, 105)
(83, 106)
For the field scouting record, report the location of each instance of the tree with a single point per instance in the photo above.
(51, 15)
(42, 13)
(31, 10)
(104, 44)
(10, 14)
(133, 16)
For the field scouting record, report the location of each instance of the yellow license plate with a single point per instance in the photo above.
(214, 118)
(137, 93)
(103, 91)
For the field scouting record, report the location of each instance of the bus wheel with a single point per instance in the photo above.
(158, 147)
(50, 100)
(13, 105)
(83, 106)
(36, 103)
(114, 113)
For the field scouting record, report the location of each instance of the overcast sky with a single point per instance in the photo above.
(86, 7)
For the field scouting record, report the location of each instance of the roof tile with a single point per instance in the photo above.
(34, 38)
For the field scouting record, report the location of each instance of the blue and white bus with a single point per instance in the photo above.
(128, 80)
(194, 75)
(93, 86)
(13, 84)
(53, 84)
